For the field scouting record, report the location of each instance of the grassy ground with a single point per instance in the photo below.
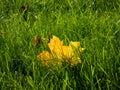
(95, 24)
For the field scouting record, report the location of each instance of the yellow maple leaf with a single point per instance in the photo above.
(45, 58)
(67, 52)
(71, 53)
(74, 44)
(55, 47)
(74, 61)
(61, 53)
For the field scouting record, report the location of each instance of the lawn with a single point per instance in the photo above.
(95, 24)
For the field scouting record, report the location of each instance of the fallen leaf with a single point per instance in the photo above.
(55, 46)
(45, 58)
(37, 41)
(23, 8)
(60, 53)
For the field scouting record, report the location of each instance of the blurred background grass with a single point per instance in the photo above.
(95, 24)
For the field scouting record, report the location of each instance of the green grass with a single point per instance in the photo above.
(95, 24)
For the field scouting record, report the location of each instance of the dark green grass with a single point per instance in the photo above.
(95, 25)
